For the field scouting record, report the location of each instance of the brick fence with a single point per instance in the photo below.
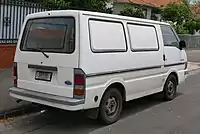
(7, 52)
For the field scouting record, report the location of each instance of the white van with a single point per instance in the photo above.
(79, 60)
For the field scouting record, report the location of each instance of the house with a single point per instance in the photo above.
(12, 14)
(196, 9)
(147, 5)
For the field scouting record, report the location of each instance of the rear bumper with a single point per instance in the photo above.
(47, 99)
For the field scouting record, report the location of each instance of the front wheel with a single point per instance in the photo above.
(170, 88)
(111, 106)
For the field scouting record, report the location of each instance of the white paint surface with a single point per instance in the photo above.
(137, 83)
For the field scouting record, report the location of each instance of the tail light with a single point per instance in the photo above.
(15, 77)
(79, 84)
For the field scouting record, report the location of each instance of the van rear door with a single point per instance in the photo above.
(47, 55)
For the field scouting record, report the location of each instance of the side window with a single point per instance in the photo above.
(143, 37)
(107, 36)
(169, 37)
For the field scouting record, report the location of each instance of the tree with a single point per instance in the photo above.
(192, 25)
(183, 19)
(133, 12)
(177, 12)
(92, 5)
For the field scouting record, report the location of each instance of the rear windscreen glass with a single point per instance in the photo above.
(49, 35)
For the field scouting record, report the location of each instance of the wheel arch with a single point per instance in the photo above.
(120, 87)
(175, 73)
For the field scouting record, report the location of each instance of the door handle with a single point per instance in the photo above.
(164, 57)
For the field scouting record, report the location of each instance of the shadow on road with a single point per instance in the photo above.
(139, 105)
(60, 121)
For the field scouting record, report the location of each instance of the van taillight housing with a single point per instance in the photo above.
(15, 76)
(79, 84)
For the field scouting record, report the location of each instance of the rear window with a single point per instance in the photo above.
(50, 35)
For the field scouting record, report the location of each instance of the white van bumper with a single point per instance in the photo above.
(47, 99)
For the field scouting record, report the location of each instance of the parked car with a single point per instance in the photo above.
(80, 60)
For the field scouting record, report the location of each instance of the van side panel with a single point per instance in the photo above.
(130, 68)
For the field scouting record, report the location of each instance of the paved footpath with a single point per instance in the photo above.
(193, 55)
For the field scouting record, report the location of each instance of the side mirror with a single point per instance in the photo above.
(182, 44)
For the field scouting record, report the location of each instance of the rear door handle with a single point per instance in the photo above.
(49, 68)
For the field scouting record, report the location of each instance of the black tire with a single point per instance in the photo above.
(111, 97)
(170, 88)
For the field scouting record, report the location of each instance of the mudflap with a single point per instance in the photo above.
(92, 113)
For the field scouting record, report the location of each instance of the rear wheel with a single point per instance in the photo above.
(111, 106)
(170, 88)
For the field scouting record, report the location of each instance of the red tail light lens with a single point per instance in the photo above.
(15, 77)
(79, 80)
(79, 84)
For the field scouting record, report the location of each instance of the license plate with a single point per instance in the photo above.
(45, 76)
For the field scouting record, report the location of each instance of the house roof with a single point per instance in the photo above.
(139, 2)
(151, 3)
(196, 9)
(163, 3)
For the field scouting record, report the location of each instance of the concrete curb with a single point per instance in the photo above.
(16, 115)
(1, 70)
(193, 66)
(195, 71)
(27, 109)
(2, 127)
(8, 124)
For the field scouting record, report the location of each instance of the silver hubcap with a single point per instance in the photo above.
(111, 106)
(171, 88)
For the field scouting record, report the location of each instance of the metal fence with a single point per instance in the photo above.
(193, 41)
(12, 15)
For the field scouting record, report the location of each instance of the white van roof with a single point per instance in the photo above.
(98, 14)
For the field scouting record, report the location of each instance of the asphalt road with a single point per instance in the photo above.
(147, 115)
